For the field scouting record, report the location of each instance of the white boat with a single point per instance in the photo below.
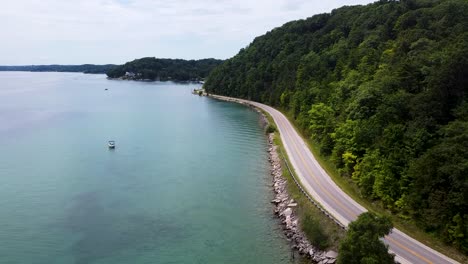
(111, 144)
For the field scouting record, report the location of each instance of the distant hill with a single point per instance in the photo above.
(164, 69)
(85, 68)
(382, 90)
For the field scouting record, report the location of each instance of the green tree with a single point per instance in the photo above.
(458, 231)
(322, 119)
(362, 243)
(439, 189)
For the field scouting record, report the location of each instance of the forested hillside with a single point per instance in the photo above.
(382, 90)
(165, 69)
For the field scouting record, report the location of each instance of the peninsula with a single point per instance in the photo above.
(155, 69)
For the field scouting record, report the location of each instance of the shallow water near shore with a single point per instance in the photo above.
(187, 183)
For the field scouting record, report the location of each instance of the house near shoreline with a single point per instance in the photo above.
(130, 74)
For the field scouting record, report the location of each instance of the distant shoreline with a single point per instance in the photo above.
(83, 68)
(52, 71)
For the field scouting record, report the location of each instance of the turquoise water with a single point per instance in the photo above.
(187, 183)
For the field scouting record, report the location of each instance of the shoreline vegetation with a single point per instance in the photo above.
(155, 69)
(145, 69)
(380, 90)
(311, 233)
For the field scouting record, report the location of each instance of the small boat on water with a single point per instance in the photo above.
(111, 144)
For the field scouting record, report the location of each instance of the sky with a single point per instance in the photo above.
(117, 31)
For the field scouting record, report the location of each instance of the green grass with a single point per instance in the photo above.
(350, 188)
(319, 229)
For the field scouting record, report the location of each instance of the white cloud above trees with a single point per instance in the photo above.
(115, 31)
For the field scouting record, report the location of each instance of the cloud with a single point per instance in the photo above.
(114, 31)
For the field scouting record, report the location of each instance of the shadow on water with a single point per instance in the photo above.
(104, 232)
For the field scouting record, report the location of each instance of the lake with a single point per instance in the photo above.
(188, 181)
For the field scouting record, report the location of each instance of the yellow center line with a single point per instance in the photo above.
(287, 134)
(398, 244)
(339, 203)
(309, 170)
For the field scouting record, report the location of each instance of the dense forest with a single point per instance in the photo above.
(382, 90)
(165, 69)
(86, 68)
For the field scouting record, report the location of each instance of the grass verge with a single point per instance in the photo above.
(321, 231)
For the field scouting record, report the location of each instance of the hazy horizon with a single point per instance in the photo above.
(116, 31)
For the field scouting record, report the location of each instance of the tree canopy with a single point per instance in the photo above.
(381, 88)
(362, 244)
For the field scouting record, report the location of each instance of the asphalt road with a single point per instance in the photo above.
(322, 188)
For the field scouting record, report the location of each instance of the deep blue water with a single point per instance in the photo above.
(187, 183)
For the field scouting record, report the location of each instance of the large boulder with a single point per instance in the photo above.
(287, 212)
(331, 254)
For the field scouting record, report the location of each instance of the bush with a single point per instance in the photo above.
(314, 231)
(270, 128)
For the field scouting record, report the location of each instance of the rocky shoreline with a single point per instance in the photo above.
(284, 208)
(284, 204)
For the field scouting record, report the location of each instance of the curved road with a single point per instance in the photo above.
(322, 188)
